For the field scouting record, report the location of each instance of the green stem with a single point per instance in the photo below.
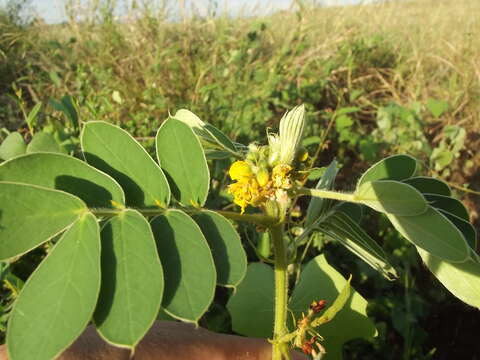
(105, 212)
(258, 219)
(327, 194)
(279, 349)
(108, 213)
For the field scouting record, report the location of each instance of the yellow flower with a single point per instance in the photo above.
(240, 171)
(281, 176)
(245, 192)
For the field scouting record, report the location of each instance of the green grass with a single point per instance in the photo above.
(356, 68)
(242, 74)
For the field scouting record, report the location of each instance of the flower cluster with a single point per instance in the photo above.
(269, 172)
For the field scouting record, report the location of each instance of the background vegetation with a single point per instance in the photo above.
(394, 77)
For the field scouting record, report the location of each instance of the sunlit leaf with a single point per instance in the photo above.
(59, 298)
(181, 157)
(12, 146)
(206, 131)
(43, 141)
(396, 167)
(391, 197)
(461, 279)
(65, 173)
(190, 275)
(117, 153)
(434, 233)
(227, 250)
(31, 215)
(132, 280)
(254, 297)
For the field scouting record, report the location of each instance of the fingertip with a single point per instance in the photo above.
(3, 352)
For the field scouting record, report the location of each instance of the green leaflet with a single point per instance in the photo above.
(461, 279)
(132, 280)
(320, 281)
(319, 206)
(342, 228)
(434, 233)
(67, 106)
(251, 306)
(117, 153)
(391, 197)
(352, 210)
(467, 229)
(448, 204)
(43, 141)
(44, 212)
(12, 146)
(206, 131)
(59, 298)
(190, 275)
(227, 250)
(396, 167)
(428, 185)
(32, 116)
(182, 158)
(62, 172)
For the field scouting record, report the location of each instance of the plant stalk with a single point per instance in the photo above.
(280, 349)
(327, 194)
(258, 219)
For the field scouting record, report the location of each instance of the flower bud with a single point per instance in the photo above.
(290, 133)
(262, 177)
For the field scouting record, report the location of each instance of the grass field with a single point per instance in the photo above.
(398, 76)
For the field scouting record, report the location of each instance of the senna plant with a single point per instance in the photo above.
(133, 238)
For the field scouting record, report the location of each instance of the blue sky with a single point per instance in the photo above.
(53, 10)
